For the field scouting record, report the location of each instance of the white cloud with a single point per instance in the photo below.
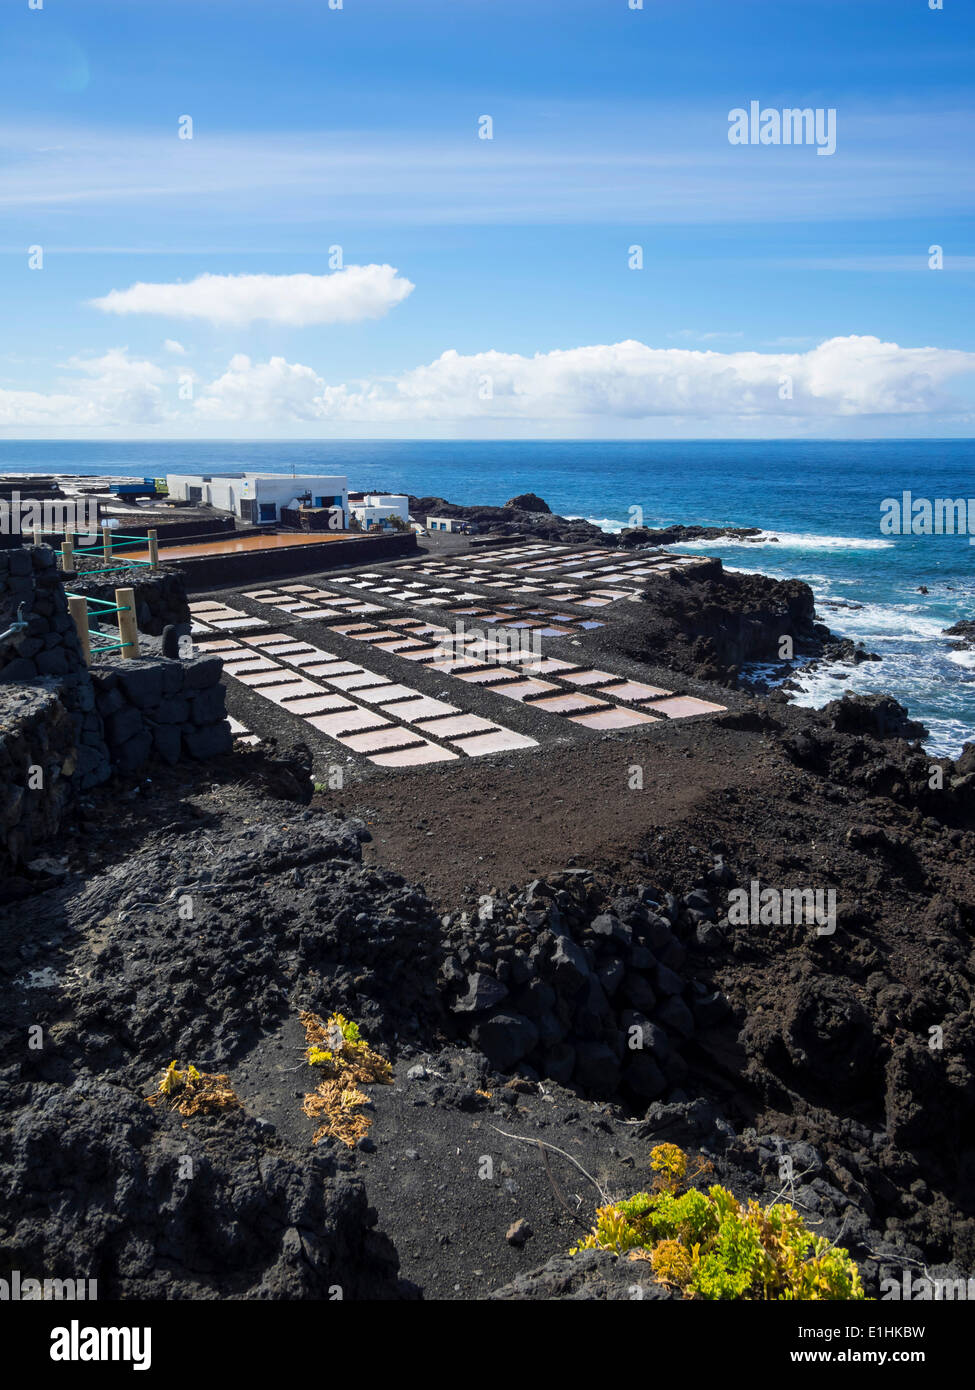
(274, 390)
(23, 410)
(119, 390)
(626, 388)
(347, 296)
(177, 349)
(122, 387)
(843, 377)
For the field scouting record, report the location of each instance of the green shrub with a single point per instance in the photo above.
(711, 1246)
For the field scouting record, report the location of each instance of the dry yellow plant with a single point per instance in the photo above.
(193, 1092)
(348, 1062)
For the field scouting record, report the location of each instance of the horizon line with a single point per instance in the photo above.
(568, 439)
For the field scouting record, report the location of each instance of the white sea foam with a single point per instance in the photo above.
(886, 622)
(794, 540)
(788, 540)
(947, 736)
(913, 680)
(817, 688)
(963, 658)
(605, 523)
(773, 673)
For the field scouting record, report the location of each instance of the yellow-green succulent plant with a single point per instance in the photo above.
(711, 1246)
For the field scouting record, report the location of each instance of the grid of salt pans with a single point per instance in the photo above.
(373, 722)
(210, 616)
(305, 601)
(586, 696)
(584, 567)
(391, 724)
(481, 580)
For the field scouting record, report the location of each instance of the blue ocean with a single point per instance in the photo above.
(818, 504)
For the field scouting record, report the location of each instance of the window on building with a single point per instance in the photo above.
(269, 511)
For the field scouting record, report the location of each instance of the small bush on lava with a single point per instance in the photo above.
(711, 1246)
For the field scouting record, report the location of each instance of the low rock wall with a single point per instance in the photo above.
(160, 596)
(66, 728)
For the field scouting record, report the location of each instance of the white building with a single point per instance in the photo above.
(446, 523)
(376, 508)
(259, 498)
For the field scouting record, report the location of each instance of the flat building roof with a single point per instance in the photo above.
(284, 477)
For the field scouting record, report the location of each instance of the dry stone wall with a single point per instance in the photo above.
(65, 728)
(160, 595)
(50, 646)
(161, 708)
(37, 760)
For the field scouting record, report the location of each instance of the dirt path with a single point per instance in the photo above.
(465, 832)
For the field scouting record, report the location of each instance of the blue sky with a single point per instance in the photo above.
(782, 293)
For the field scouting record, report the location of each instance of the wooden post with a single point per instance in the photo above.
(67, 554)
(78, 609)
(153, 549)
(106, 543)
(128, 630)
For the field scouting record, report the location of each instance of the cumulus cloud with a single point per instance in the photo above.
(177, 349)
(117, 390)
(347, 296)
(121, 387)
(32, 409)
(640, 388)
(851, 376)
(273, 390)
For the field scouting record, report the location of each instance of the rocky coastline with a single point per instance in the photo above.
(530, 515)
(707, 623)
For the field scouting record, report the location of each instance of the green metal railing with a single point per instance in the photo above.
(94, 642)
(109, 548)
